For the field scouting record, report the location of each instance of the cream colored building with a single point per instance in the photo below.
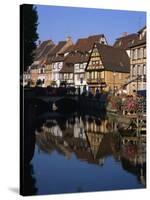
(138, 56)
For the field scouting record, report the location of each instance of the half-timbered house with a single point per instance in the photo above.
(108, 68)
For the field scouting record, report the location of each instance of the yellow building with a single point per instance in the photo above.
(108, 68)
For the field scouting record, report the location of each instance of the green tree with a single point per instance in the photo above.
(28, 35)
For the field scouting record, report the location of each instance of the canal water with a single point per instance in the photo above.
(83, 152)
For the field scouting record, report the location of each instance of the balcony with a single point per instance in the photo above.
(95, 80)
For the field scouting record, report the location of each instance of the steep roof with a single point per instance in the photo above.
(69, 49)
(86, 44)
(71, 59)
(141, 39)
(114, 59)
(76, 58)
(67, 68)
(58, 47)
(45, 52)
(58, 58)
(43, 48)
(55, 51)
(138, 42)
(125, 41)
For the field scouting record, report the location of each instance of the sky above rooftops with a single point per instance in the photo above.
(57, 23)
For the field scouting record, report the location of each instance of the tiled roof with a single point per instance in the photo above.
(138, 42)
(82, 45)
(77, 58)
(58, 47)
(58, 58)
(69, 49)
(72, 59)
(55, 51)
(45, 52)
(125, 41)
(45, 45)
(114, 59)
(86, 44)
(67, 68)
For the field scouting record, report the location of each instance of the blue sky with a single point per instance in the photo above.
(57, 23)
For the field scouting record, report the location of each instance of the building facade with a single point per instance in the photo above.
(73, 70)
(125, 41)
(55, 61)
(107, 68)
(138, 63)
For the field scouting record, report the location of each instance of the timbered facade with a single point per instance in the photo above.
(108, 68)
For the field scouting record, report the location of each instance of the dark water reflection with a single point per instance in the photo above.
(83, 152)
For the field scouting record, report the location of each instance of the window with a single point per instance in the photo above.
(88, 75)
(96, 75)
(135, 54)
(138, 53)
(134, 70)
(132, 54)
(71, 76)
(76, 77)
(92, 75)
(60, 76)
(65, 76)
(144, 52)
(141, 52)
(141, 70)
(138, 70)
(77, 66)
(81, 66)
(144, 69)
(53, 66)
(120, 75)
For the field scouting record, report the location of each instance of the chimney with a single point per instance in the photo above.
(68, 39)
(124, 34)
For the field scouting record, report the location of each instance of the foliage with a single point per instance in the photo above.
(29, 36)
(115, 102)
(130, 105)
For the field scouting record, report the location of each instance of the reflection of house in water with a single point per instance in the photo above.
(90, 139)
(80, 136)
(131, 152)
(96, 125)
